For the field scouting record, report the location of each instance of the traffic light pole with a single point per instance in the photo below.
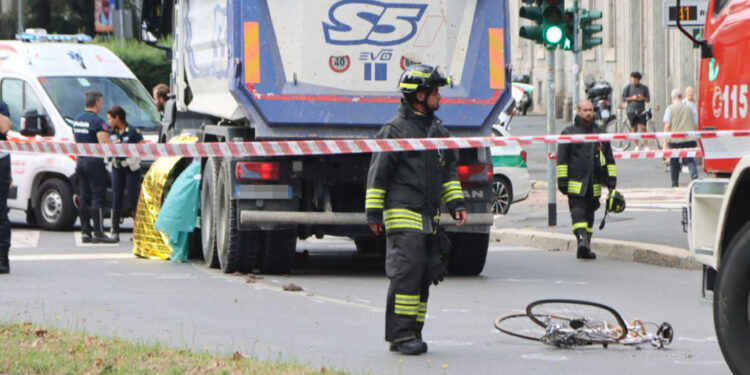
(576, 60)
(551, 130)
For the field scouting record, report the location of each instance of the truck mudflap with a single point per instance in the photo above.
(340, 218)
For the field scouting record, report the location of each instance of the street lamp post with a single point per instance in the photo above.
(19, 29)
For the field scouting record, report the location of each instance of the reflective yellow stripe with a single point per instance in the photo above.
(415, 73)
(589, 229)
(422, 311)
(602, 161)
(612, 170)
(453, 196)
(409, 85)
(581, 225)
(597, 190)
(403, 225)
(374, 205)
(407, 299)
(402, 211)
(562, 171)
(374, 190)
(404, 311)
(574, 187)
(451, 183)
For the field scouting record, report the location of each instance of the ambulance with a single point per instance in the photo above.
(43, 79)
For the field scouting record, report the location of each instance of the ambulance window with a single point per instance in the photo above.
(719, 5)
(19, 97)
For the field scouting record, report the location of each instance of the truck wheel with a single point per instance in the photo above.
(234, 247)
(469, 253)
(208, 199)
(731, 299)
(277, 253)
(54, 209)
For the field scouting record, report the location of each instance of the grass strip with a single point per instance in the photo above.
(26, 348)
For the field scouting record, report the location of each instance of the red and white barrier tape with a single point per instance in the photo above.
(676, 153)
(329, 147)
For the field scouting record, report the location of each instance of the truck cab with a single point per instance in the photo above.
(43, 79)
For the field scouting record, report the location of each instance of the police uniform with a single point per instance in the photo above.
(5, 180)
(582, 170)
(92, 176)
(404, 192)
(124, 178)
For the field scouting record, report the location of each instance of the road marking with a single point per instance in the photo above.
(450, 343)
(455, 310)
(704, 363)
(545, 357)
(507, 248)
(47, 257)
(21, 238)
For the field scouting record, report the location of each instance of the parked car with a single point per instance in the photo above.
(511, 182)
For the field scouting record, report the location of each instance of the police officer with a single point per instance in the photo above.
(5, 180)
(404, 192)
(582, 170)
(126, 173)
(88, 127)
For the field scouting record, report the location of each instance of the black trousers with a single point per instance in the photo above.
(406, 267)
(92, 182)
(582, 210)
(124, 178)
(5, 180)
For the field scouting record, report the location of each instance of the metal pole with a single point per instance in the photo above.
(576, 59)
(20, 17)
(551, 175)
(120, 6)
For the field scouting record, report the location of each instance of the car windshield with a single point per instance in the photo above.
(67, 94)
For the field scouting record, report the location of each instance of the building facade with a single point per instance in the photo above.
(634, 39)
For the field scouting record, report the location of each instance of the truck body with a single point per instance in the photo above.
(717, 215)
(43, 80)
(250, 70)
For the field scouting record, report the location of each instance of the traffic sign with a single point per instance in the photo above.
(690, 13)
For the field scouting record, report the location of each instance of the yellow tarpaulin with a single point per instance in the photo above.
(147, 241)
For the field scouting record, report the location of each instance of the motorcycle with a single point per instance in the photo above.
(600, 95)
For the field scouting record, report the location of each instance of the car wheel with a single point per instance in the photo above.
(502, 195)
(54, 209)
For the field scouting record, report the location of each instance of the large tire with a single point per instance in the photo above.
(53, 206)
(277, 252)
(731, 299)
(209, 195)
(236, 249)
(469, 253)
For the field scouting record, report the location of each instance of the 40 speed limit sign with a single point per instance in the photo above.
(339, 63)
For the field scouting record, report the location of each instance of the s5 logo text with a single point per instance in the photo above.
(372, 22)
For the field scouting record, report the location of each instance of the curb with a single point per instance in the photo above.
(640, 252)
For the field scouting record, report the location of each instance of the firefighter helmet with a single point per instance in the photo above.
(615, 202)
(419, 77)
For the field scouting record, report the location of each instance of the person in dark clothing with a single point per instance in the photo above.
(126, 172)
(88, 127)
(5, 181)
(636, 95)
(582, 169)
(404, 194)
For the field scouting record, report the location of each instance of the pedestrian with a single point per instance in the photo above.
(679, 118)
(636, 95)
(404, 192)
(160, 94)
(88, 127)
(690, 102)
(126, 172)
(5, 181)
(582, 170)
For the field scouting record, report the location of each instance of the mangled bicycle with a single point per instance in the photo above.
(568, 323)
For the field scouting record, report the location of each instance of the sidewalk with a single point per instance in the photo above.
(649, 231)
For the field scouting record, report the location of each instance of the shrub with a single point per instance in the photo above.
(149, 64)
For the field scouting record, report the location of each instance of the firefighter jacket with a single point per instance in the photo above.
(405, 189)
(581, 166)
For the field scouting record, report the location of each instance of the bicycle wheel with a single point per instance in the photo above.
(600, 323)
(519, 325)
(616, 126)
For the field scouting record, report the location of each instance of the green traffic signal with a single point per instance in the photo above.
(570, 40)
(553, 21)
(588, 29)
(553, 35)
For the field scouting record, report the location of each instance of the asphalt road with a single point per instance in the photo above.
(337, 320)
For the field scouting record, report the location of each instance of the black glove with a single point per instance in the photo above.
(562, 185)
(611, 183)
(438, 253)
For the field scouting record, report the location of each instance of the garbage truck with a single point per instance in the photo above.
(717, 215)
(259, 70)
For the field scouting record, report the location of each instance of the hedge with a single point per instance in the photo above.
(149, 64)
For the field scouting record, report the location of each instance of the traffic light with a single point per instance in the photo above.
(570, 39)
(588, 29)
(532, 12)
(553, 22)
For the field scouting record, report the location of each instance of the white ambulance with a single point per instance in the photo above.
(43, 79)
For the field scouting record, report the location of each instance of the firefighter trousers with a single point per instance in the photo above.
(582, 211)
(406, 267)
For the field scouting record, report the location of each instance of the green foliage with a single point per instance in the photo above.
(149, 64)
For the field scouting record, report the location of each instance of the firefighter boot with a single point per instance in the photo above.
(394, 347)
(4, 264)
(115, 233)
(410, 347)
(584, 245)
(85, 226)
(99, 236)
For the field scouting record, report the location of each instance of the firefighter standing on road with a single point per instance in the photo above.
(404, 192)
(582, 169)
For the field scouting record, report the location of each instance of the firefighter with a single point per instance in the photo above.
(404, 194)
(582, 170)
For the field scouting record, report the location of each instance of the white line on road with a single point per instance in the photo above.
(21, 238)
(47, 257)
(545, 357)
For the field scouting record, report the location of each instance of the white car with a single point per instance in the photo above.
(511, 182)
